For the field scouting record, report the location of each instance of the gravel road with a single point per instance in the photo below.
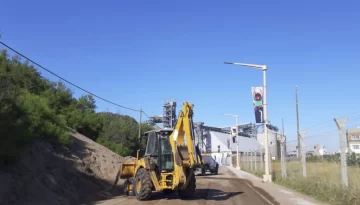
(224, 188)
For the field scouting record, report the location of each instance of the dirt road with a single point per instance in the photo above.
(224, 189)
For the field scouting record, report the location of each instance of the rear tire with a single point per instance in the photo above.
(189, 191)
(216, 170)
(127, 184)
(143, 185)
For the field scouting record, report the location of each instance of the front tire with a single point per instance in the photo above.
(143, 185)
(189, 191)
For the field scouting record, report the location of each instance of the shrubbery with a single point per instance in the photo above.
(352, 159)
(32, 107)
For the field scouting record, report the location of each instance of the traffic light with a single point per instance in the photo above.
(234, 133)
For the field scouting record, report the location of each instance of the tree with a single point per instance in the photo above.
(33, 107)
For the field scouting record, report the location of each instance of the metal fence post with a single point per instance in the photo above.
(247, 160)
(251, 160)
(270, 161)
(344, 174)
(261, 159)
(281, 139)
(255, 154)
(303, 153)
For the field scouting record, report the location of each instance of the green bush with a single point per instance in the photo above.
(32, 107)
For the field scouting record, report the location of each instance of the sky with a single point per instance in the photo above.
(141, 53)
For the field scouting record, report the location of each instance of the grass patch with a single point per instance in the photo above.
(323, 181)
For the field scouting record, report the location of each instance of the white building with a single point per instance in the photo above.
(274, 144)
(353, 140)
(221, 145)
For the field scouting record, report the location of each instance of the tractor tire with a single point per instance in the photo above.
(143, 185)
(127, 184)
(189, 191)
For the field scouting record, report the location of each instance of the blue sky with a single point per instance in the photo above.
(140, 53)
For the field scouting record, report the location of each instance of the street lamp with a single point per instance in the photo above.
(266, 177)
(237, 140)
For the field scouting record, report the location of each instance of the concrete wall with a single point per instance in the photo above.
(274, 144)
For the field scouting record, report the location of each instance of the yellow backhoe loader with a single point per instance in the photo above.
(166, 162)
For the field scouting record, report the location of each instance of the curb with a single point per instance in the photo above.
(252, 188)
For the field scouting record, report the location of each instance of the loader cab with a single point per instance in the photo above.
(156, 145)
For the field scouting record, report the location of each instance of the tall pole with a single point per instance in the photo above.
(283, 132)
(140, 123)
(283, 152)
(344, 175)
(266, 177)
(231, 153)
(303, 152)
(297, 123)
(237, 146)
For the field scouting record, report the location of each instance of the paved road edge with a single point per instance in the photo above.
(252, 188)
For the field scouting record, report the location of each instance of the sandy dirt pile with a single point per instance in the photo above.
(51, 174)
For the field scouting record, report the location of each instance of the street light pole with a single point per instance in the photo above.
(231, 143)
(237, 146)
(266, 177)
(237, 140)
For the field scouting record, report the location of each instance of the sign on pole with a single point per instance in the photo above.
(257, 95)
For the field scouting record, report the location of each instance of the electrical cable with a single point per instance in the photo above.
(67, 80)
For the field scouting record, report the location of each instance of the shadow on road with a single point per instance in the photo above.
(262, 192)
(200, 194)
(208, 175)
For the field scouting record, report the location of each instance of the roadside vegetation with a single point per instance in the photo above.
(323, 180)
(32, 107)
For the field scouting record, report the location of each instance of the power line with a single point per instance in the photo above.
(67, 80)
(146, 114)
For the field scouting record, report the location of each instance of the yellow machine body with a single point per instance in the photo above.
(180, 154)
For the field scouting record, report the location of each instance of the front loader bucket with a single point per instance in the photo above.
(128, 169)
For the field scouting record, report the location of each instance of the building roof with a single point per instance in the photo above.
(246, 144)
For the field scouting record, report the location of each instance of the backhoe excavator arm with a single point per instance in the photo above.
(186, 154)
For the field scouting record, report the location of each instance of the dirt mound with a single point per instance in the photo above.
(51, 174)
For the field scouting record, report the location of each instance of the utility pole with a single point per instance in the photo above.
(297, 123)
(140, 123)
(237, 146)
(344, 174)
(283, 132)
(303, 154)
(283, 153)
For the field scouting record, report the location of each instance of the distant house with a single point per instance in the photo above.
(353, 140)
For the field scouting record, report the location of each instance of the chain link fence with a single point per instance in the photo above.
(333, 177)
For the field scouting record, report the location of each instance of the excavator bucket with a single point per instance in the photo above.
(127, 169)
